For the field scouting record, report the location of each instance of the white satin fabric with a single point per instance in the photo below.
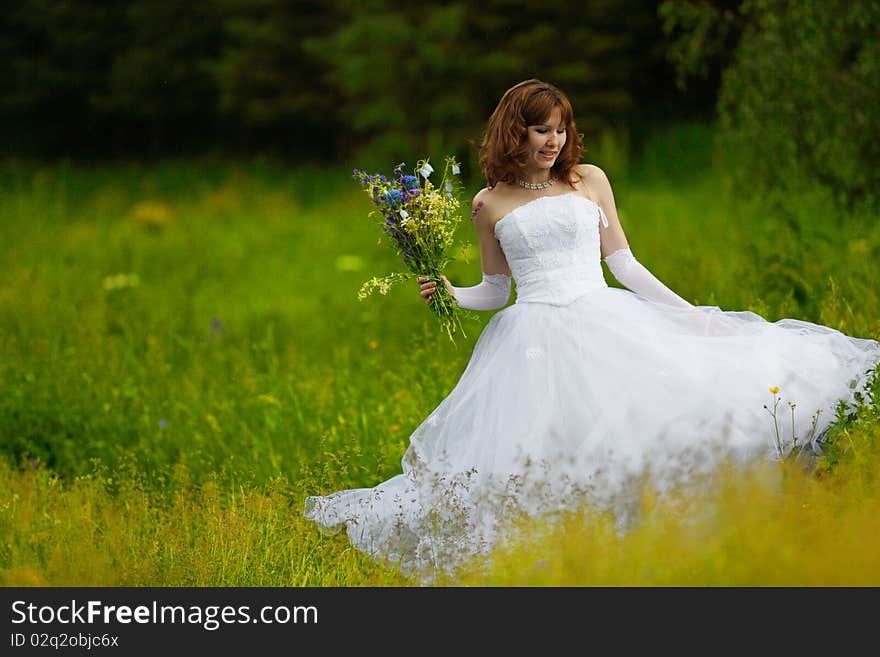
(489, 294)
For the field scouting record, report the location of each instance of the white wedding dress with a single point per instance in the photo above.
(578, 390)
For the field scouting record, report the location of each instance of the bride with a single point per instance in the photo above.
(579, 391)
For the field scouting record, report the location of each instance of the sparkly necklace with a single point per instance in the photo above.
(543, 185)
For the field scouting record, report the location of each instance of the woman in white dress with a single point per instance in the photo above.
(579, 391)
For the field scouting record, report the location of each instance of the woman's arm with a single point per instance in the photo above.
(615, 248)
(494, 290)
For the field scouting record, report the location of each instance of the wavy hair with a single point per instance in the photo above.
(503, 150)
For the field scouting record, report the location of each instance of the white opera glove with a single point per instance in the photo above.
(493, 292)
(633, 274)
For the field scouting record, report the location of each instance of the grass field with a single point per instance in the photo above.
(183, 359)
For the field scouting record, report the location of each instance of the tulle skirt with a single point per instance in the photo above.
(559, 405)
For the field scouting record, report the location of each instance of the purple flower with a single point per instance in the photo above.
(162, 424)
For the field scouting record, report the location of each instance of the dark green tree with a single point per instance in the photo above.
(158, 83)
(800, 99)
(270, 85)
(56, 58)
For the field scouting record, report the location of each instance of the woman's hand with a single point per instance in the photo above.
(428, 287)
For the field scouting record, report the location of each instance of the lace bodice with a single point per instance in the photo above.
(552, 247)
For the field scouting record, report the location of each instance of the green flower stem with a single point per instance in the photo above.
(445, 307)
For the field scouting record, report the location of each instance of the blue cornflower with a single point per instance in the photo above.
(393, 198)
(410, 182)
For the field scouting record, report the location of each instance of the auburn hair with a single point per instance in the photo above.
(504, 149)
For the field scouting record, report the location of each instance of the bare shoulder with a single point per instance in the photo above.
(482, 204)
(479, 202)
(591, 173)
(481, 196)
(593, 179)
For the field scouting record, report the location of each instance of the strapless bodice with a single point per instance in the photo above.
(552, 247)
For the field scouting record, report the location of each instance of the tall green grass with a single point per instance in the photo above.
(182, 351)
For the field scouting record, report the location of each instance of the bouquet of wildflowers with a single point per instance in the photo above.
(420, 220)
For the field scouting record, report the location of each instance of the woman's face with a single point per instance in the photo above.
(545, 141)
